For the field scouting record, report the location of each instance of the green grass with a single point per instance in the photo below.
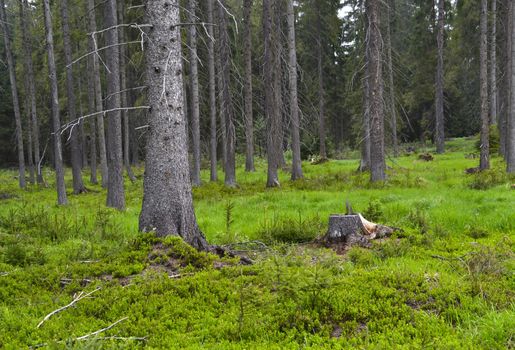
(446, 281)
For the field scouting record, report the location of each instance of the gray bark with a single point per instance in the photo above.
(321, 92)
(374, 46)
(220, 83)
(393, 110)
(54, 93)
(212, 94)
(98, 95)
(27, 48)
(510, 134)
(195, 105)
(364, 164)
(230, 132)
(76, 157)
(167, 198)
(296, 171)
(505, 96)
(248, 111)
(92, 125)
(115, 191)
(14, 91)
(493, 65)
(439, 98)
(123, 93)
(30, 155)
(484, 162)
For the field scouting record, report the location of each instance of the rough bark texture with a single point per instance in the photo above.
(167, 199)
(220, 84)
(14, 91)
(439, 99)
(374, 46)
(493, 65)
(212, 94)
(505, 96)
(247, 57)
(296, 168)
(393, 110)
(115, 191)
(230, 132)
(76, 156)
(510, 135)
(54, 93)
(364, 164)
(484, 162)
(92, 124)
(98, 94)
(321, 92)
(195, 104)
(123, 93)
(31, 87)
(271, 80)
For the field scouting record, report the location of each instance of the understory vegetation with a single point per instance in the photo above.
(445, 281)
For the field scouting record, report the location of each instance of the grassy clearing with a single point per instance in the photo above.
(446, 281)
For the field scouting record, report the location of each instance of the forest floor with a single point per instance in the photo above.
(445, 282)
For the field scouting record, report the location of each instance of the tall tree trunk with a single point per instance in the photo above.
(83, 138)
(115, 191)
(30, 155)
(393, 110)
(14, 91)
(364, 164)
(248, 111)
(439, 98)
(296, 168)
(483, 81)
(374, 46)
(195, 104)
(230, 132)
(212, 93)
(505, 95)
(510, 134)
(54, 93)
(123, 92)
(27, 48)
(321, 92)
(167, 198)
(219, 82)
(76, 157)
(92, 125)
(271, 80)
(493, 65)
(98, 94)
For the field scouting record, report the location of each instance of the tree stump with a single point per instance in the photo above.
(354, 230)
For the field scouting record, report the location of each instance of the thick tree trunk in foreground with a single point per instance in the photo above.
(493, 65)
(212, 94)
(374, 46)
(14, 91)
(483, 81)
(510, 134)
(271, 81)
(98, 94)
(230, 132)
(321, 92)
(31, 86)
(296, 168)
(123, 93)
(78, 185)
(115, 191)
(54, 93)
(439, 98)
(167, 199)
(247, 56)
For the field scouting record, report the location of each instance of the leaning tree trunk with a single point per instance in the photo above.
(123, 93)
(247, 56)
(296, 171)
(212, 93)
(167, 198)
(510, 135)
(95, 72)
(14, 91)
(484, 162)
(374, 46)
(393, 110)
(54, 95)
(321, 92)
(439, 98)
(115, 191)
(27, 49)
(493, 65)
(230, 132)
(195, 104)
(78, 185)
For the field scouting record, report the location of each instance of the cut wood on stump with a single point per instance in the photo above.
(354, 230)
